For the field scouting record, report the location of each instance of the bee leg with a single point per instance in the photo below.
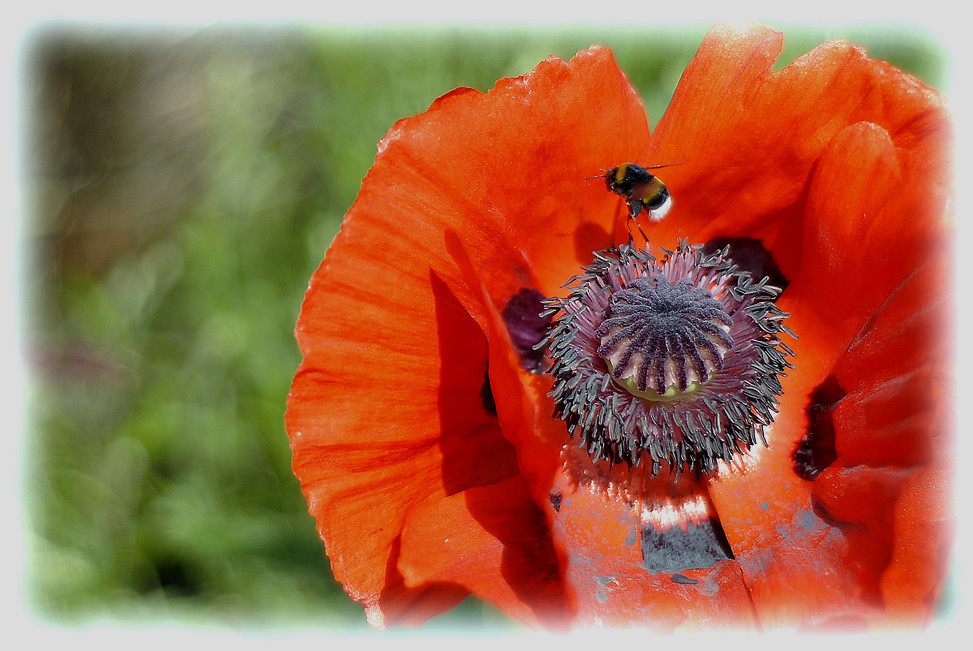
(634, 209)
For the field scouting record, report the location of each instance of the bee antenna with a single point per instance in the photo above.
(600, 176)
(655, 167)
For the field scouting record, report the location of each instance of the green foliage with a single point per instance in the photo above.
(184, 189)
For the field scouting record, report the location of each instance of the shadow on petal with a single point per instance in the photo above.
(409, 606)
(510, 541)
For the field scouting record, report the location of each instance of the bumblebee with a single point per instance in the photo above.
(640, 189)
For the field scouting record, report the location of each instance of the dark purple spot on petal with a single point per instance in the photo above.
(751, 256)
(672, 550)
(486, 395)
(555, 500)
(527, 327)
(816, 450)
(680, 578)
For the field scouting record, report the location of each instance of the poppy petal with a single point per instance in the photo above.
(494, 541)
(839, 527)
(738, 175)
(863, 239)
(924, 524)
(893, 436)
(622, 571)
(791, 558)
(897, 376)
(364, 469)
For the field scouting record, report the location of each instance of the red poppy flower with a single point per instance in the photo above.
(421, 417)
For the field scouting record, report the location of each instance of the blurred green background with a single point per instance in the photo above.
(183, 184)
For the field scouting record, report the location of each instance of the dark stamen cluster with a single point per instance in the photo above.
(663, 325)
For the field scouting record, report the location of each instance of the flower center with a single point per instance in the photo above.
(662, 339)
(674, 360)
